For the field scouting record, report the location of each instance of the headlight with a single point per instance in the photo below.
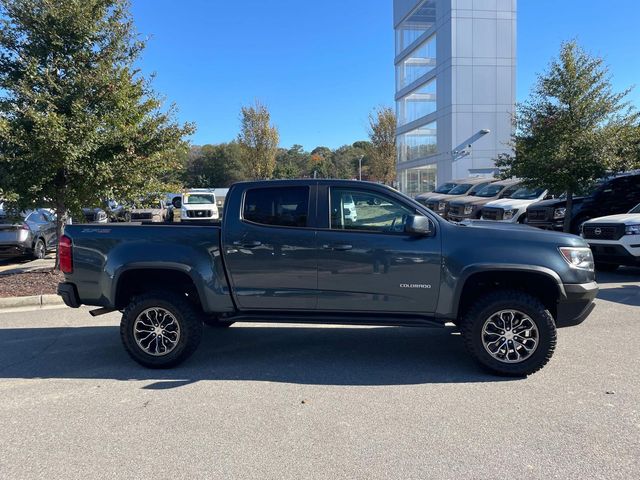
(442, 206)
(102, 215)
(632, 230)
(559, 213)
(509, 214)
(578, 257)
(468, 209)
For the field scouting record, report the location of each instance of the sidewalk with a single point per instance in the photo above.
(11, 266)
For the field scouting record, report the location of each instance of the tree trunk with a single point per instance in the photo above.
(61, 217)
(567, 213)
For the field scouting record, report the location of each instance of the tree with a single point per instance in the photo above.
(382, 133)
(214, 166)
(259, 141)
(78, 121)
(291, 163)
(573, 129)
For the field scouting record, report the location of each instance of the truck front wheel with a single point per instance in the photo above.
(160, 329)
(510, 333)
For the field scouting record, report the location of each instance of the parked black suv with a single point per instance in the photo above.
(609, 196)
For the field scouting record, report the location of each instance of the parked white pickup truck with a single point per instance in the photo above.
(513, 208)
(614, 239)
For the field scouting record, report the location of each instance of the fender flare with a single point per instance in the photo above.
(475, 268)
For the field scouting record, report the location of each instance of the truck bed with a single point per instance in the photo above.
(102, 253)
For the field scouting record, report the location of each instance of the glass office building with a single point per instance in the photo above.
(455, 88)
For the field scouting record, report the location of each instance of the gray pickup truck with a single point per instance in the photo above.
(294, 251)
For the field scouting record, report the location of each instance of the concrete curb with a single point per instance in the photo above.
(30, 301)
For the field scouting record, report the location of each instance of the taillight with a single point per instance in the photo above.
(24, 226)
(65, 255)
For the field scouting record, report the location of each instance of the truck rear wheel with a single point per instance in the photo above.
(510, 333)
(160, 329)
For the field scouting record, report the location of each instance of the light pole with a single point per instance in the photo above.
(360, 167)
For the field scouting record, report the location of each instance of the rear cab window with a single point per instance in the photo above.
(277, 206)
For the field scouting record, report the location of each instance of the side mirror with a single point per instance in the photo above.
(418, 225)
(177, 202)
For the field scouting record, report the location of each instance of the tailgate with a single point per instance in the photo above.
(12, 233)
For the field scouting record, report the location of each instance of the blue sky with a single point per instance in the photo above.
(322, 66)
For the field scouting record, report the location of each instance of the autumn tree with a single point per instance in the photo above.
(382, 134)
(258, 139)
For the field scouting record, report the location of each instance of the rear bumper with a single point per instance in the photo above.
(69, 294)
(8, 250)
(577, 305)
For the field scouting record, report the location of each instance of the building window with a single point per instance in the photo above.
(417, 104)
(417, 64)
(418, 143)
(415, 181)
(421, 20)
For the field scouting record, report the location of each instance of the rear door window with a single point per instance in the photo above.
(279, 206)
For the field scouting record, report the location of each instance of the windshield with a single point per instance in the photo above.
(527, 193)
(490, 190)
(198, 198)
(635, 209)
(146, 203)
(446, 188)
(460, 189)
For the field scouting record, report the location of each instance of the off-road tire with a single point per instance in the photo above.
(606, 267)
(473, 322)
(215, 322)
(188, 318)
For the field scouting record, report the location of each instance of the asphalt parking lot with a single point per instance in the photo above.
(267, 401)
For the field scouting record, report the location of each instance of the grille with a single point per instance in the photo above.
(492, 213)
(537, 215)
(90, 217)
(141, 216)
(432, 205)
(198, 213)
(456, 209)
(603, 232)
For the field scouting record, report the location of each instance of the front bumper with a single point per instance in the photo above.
(557, 225)
(615, 253)
(69, 294)
(577, 305)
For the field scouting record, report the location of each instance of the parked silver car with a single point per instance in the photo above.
(31, 233)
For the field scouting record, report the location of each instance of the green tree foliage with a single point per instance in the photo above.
(291, 163)
(214, 166)
(78, 121)
(382, 133)
(259, 141)
(573, 129)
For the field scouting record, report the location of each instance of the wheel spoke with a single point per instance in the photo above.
(510, 336)
(156, 331)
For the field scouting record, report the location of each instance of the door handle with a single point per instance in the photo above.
(253, 244)
(341, 247)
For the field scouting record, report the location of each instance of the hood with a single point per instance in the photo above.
(155, 211)
(199, 206)
(432, 196)
(510, 203)
(524, 231)
(557, 203)
(472, 200)
(622, 218)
